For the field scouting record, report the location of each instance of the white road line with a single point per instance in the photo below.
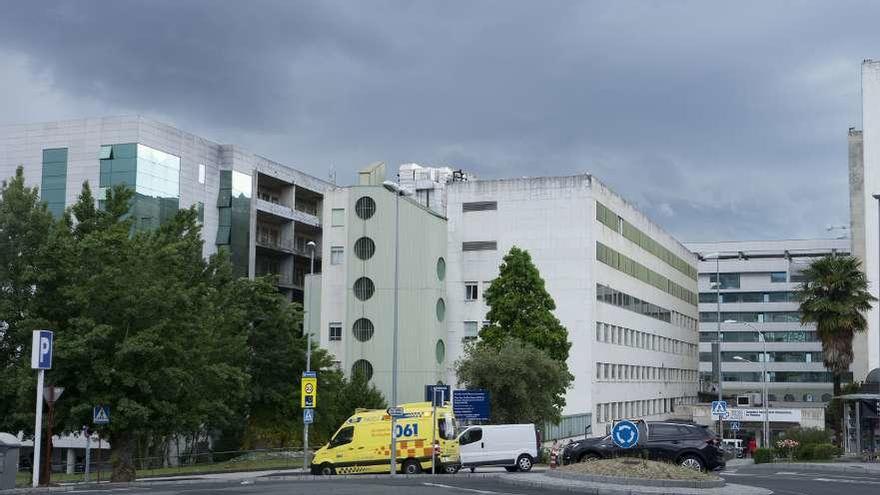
(843, 480)
(471, 490)
(786, 472)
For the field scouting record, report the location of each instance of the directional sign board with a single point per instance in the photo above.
(471, 404)
(719, 408)
(308, 416)
(625, 434)
(309, 392)
(41, 350)
(395, 412)
(101, 415)
(429, 393)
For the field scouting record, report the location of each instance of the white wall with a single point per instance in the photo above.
(871, 136)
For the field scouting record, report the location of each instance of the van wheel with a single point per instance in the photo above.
(449, 469)
(327, 469)
(691, 461)
(524, 463)
(411, 467)
(473, 469)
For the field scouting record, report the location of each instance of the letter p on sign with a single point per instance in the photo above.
(41, 350)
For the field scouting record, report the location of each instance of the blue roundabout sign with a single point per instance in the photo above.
(625, 434)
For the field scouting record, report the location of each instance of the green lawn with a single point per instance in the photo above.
(24, 478)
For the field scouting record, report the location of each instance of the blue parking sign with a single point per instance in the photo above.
(41, 350)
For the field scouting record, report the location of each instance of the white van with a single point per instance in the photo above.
(513, 446)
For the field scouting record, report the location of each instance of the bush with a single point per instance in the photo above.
(824, 452)
(763, 456)
(805, 452)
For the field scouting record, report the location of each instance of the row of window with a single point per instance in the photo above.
(784, 376)
(749, 297)
(636, 270)
(751, 316)
(363, 331)
(638, 373)
(614, 334)
(610, 411)
(628, 230)
(732, 280)
(772, 357)
(472, 290)
(782, 336)
(621, 299)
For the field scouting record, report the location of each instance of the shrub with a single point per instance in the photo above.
(824, 452)
(805, 452)
(763, 456)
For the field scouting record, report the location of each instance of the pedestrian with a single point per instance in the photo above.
(753, 445)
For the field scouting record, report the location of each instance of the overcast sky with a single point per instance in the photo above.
(722, 120)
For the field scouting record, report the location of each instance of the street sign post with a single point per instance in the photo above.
(471, 405)
(41, 360)
(309, 391)
(429, 392)
(308, 416)
(734, 425)
(719, 408)
(101, 415)
(437, 399)
(625, 434)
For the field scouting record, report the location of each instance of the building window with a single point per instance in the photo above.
(201, 173)
(365, 207)
(337, 217)
(470, 291)
(441, 309)
(335, 331)
(337, 254)
(363, 367)
(364, 248)
(440, 351)
(106, 153)
(778, 277)
(364, 288)
(441, 269)
(728, 280)
(470, 330)
(362, 329)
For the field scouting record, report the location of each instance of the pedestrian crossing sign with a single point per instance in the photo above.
(101, 415)
(719, 408)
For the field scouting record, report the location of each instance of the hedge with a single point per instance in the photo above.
(763, 456)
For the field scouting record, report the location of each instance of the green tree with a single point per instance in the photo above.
(521, 308)
(834, 296)
(525, 384)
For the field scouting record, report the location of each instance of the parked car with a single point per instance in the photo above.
(513, 446)
(688, 444)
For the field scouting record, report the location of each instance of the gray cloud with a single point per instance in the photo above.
(724, 120)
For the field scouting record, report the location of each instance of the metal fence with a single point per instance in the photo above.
(570, 426)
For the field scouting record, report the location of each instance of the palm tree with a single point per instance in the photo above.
(834, 296)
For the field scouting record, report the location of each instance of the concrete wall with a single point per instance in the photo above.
(871, 139)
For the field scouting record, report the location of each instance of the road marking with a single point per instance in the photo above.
(786, 472)
(471, 490)
(843, 480)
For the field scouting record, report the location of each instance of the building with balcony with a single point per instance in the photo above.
(263, 212)
(758, 280)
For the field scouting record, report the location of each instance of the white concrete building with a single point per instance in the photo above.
(625, 289)
(758, 280)
(356, 304)
(864, 211)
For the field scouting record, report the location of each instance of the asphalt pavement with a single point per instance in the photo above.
(792, 481)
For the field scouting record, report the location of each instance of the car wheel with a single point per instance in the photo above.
(411, 467)
(449, 469)
(589, 456)
(691, 461)
(327, 469)
(524, 463)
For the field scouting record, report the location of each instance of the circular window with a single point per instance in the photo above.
(441, 309)
(440, 351)
(363, 288)
(362, 366)
(362, 329)
(364, 248)
(441, 268)
(365, 207)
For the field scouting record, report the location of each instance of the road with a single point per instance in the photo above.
(794, 482)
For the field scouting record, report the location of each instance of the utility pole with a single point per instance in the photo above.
(308, 331)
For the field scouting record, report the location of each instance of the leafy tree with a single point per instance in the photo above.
(834, 296)
(342, 397)
(521, 308)
(525, 384)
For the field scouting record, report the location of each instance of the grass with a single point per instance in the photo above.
(246, 463)
(629, 467)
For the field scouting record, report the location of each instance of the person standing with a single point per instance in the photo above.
(753, 446)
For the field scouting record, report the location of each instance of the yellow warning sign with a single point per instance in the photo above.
(309, 391)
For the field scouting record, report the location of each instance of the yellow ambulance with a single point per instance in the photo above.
(363, 443)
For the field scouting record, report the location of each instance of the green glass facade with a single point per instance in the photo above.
(154, 175)
(234, 209)
(53, 187)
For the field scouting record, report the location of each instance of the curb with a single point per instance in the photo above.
(619, 480)
(597, 490)
(841, 467)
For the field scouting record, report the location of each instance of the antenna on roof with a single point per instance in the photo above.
(332, 174)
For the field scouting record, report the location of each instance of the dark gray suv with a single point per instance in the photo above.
(688, 444)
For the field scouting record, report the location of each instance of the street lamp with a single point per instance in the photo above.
(765, 395)
(717, 257)
(308, 331)
(398, 192)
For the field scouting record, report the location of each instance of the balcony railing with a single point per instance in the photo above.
(285, 245)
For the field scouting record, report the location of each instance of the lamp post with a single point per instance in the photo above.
(308, 331)
(765, 395)
(398, 191)
(717, 357)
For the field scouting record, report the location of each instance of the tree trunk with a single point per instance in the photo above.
(836, 377)
(120, 457)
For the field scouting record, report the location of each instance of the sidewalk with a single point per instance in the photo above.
(542, 481)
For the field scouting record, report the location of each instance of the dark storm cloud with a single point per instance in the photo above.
(721, 121)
